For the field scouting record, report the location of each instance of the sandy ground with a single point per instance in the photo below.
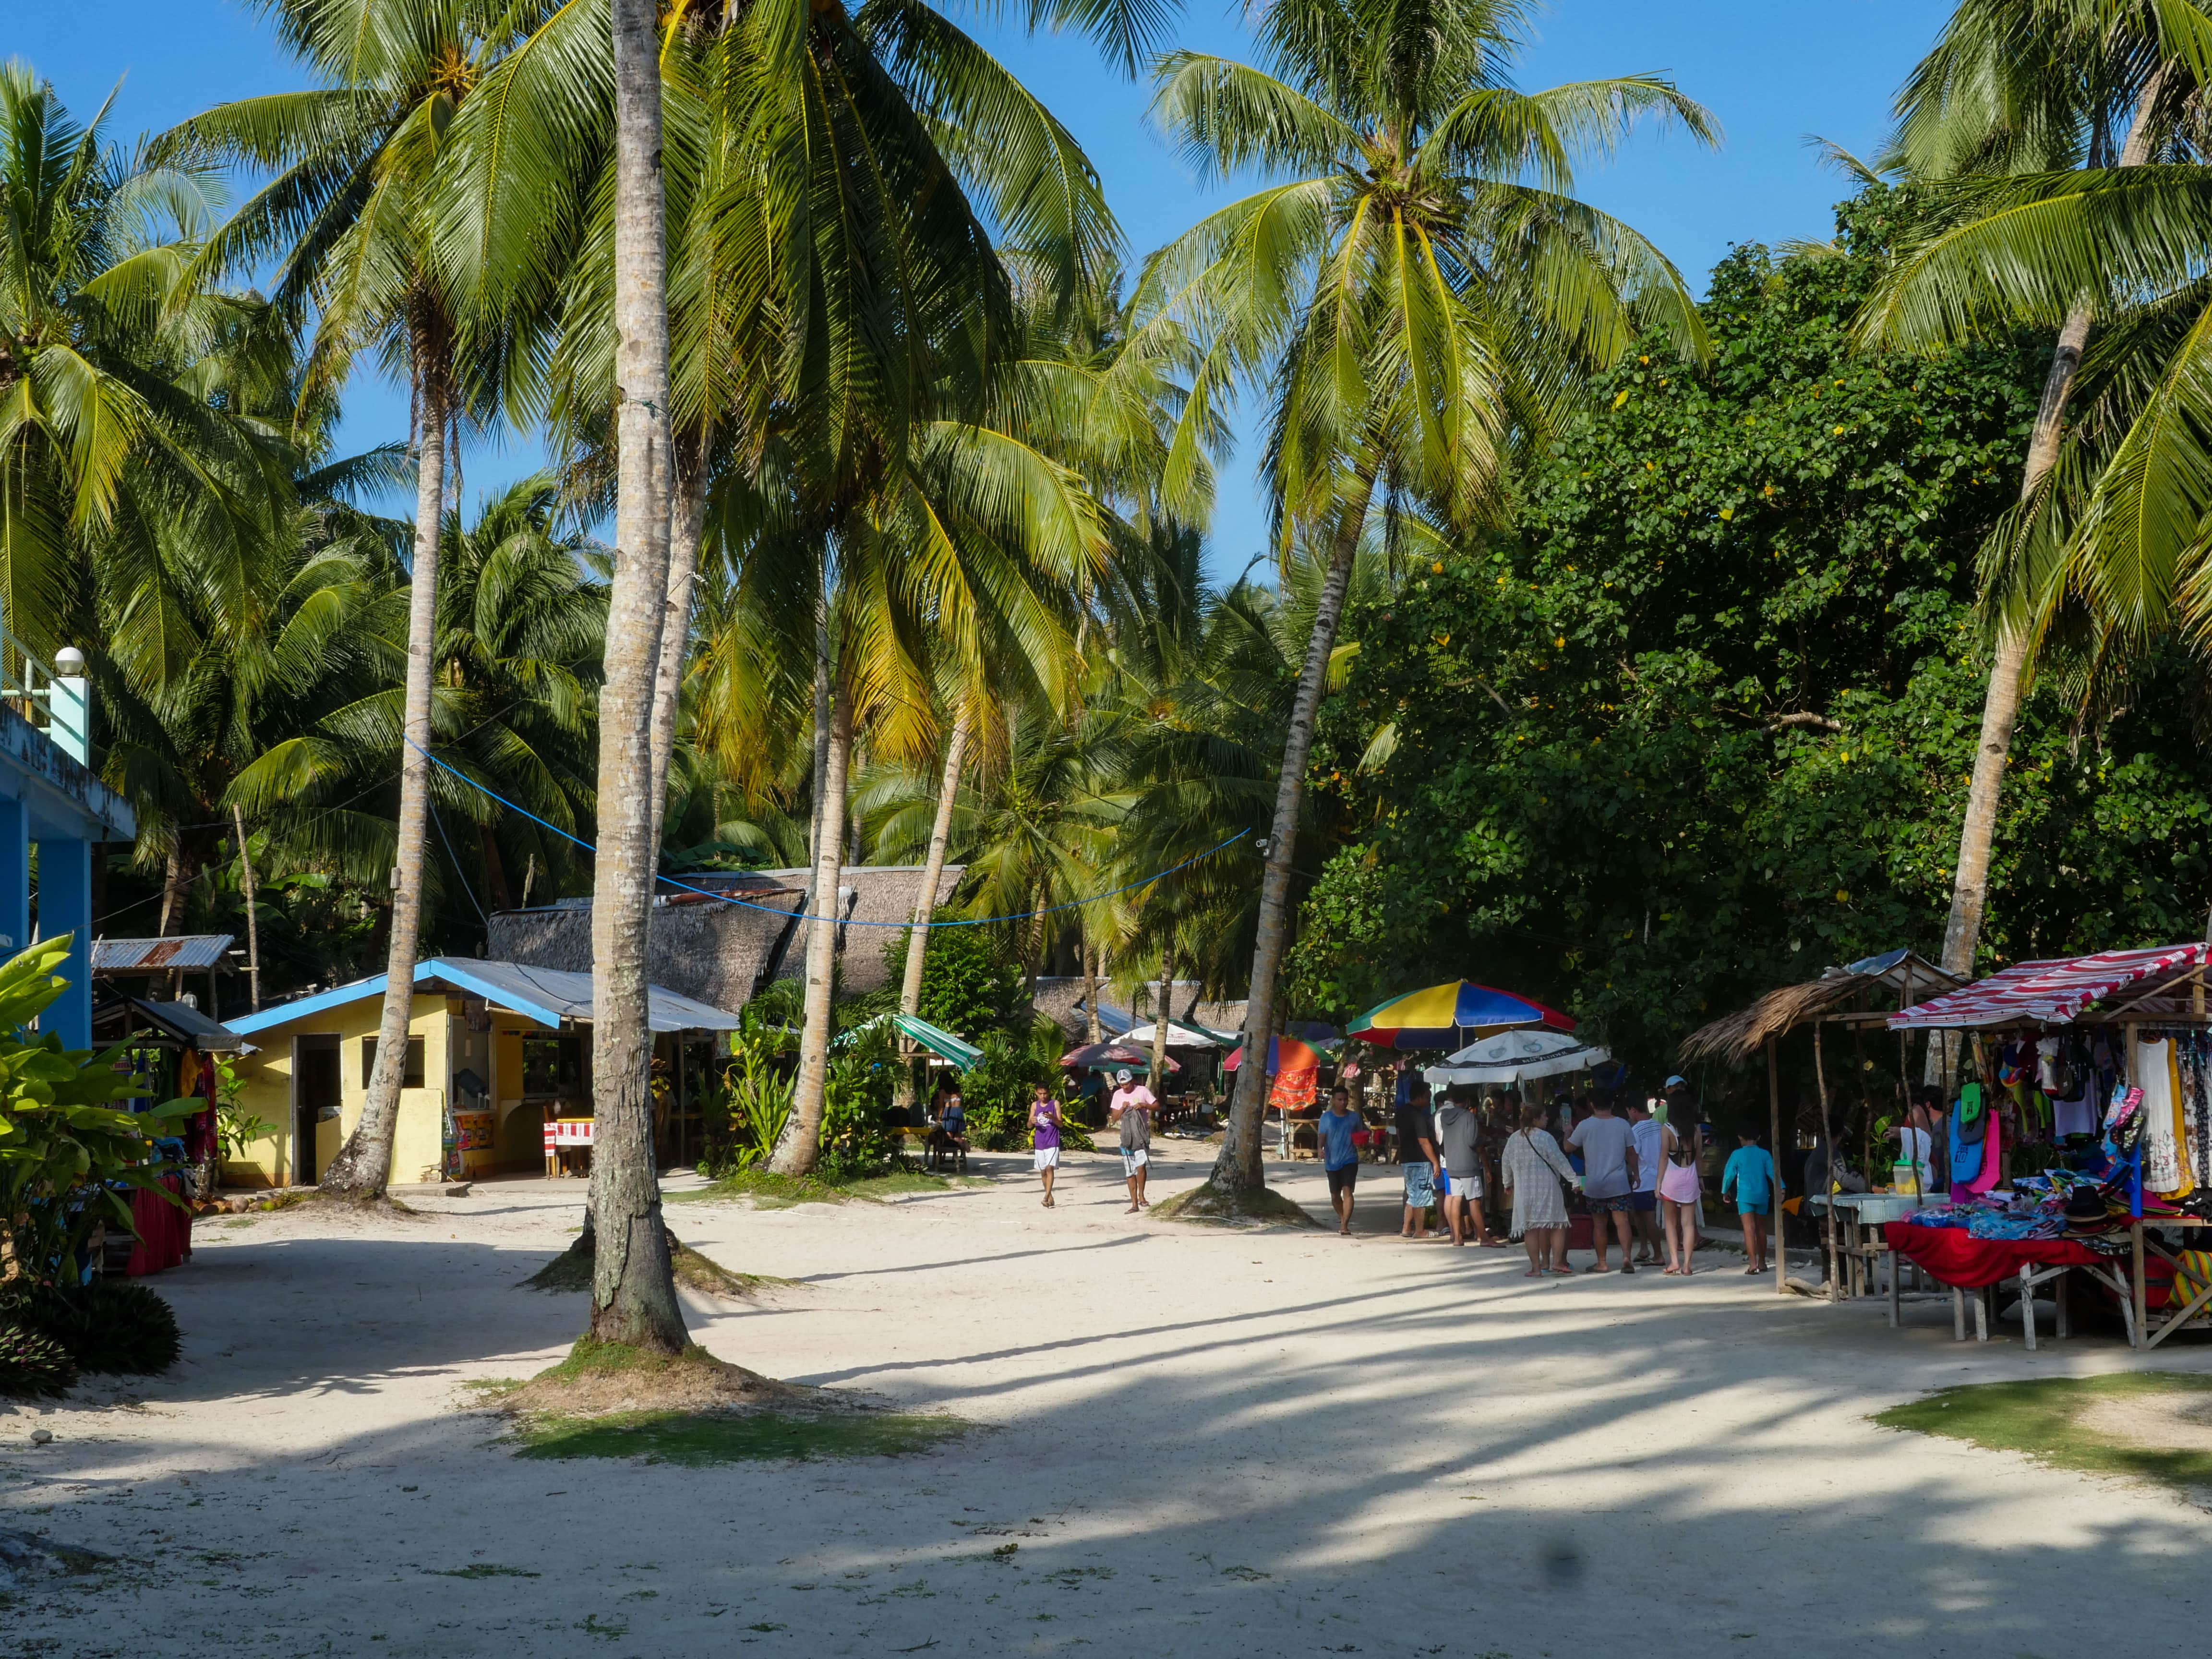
(1202, 1443)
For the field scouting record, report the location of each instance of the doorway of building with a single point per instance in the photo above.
(316, 1093)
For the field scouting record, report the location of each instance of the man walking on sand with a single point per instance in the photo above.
(1608, 1149)
(1131, 1108)
(1643, 1207)
(1340, 1154)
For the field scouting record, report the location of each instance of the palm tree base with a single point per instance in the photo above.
(1209, 1205)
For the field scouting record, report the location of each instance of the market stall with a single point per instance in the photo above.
(2083, 1121)
(1857, 996)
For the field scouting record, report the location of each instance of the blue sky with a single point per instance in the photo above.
(1772, 70)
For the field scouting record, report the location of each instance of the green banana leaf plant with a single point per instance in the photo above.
(69, 1158)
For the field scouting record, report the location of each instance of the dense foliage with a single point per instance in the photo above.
(1702, 723)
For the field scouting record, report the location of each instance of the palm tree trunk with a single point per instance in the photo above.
(801, 1146)
(1970, 881)
(362, 1168)
(173, 885)
(252, 922)
(1238, 1167)
(821, 709)
(924, 900)
(1160, 1020)
(686, 529)
(633, 1288)
(1094, 963)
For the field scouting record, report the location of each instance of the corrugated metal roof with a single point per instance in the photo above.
(548, 995)
(139, 955)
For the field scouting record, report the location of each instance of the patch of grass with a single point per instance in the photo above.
(695, 1439)
(908, 1181)
(768, 1191)
(1208, 1206)
(2044, 1417)
(481, 1569)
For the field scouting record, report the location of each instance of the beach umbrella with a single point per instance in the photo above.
(1446, 1016)
(1114, 1056)
(1180, 1034)
(1512, 1055)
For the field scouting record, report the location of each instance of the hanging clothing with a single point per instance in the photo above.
(2163, 1170)
(1977, 1143)
(2191, 1052)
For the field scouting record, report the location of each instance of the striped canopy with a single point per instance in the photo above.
(2057, 992)
(1446, 1016)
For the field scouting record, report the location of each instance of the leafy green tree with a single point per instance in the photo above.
(1700, 724)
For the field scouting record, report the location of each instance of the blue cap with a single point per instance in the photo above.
(1672, 1081)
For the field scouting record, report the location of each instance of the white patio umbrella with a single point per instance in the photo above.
(1512, 1055)
(1180, 1035)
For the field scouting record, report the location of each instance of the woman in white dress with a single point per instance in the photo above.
(1533, 1166)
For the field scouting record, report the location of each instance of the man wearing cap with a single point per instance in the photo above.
(1131, 1108)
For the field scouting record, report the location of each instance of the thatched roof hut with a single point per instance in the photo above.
(727, 954)
(1902, 978)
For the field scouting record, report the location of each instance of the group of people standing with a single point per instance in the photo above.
(1637, 1172)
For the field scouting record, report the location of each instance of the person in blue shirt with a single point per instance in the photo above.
(1338, 1155)
(1749, 1172)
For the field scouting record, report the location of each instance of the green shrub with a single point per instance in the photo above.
(69, 1160)
(997, 1091)
(111, 1327)
(33, 1365)
(744, 1116)
(856, 1097)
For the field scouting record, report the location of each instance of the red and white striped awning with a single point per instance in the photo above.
(2054, 993)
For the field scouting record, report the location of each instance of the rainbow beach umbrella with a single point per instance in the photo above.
(1451, 1015)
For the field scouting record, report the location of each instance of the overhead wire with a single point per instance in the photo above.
(840, 921)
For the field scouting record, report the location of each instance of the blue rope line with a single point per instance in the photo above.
(801, 915)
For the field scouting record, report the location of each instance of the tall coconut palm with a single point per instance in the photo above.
(1418, 292)
(130, 471)
(515, 669)
(2026, 87)
(633, 1283)
(348, 214)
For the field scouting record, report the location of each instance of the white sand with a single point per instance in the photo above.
(1202, 1442)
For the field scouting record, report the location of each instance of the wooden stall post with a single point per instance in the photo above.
(1774, 1130)
(1828, 1176)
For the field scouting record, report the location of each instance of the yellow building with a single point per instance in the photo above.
(498, 1048)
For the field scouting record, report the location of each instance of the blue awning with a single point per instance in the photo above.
(550, 996)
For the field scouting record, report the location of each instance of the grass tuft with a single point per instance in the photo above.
(769, 1191)
(696, 1439)
(1207, 1204)
(2068, 1422)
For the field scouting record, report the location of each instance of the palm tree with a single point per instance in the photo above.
(1419, 292)
(348, 214)
(130, 477)
(513, 680)
(633, 1280)
(2024, 87)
